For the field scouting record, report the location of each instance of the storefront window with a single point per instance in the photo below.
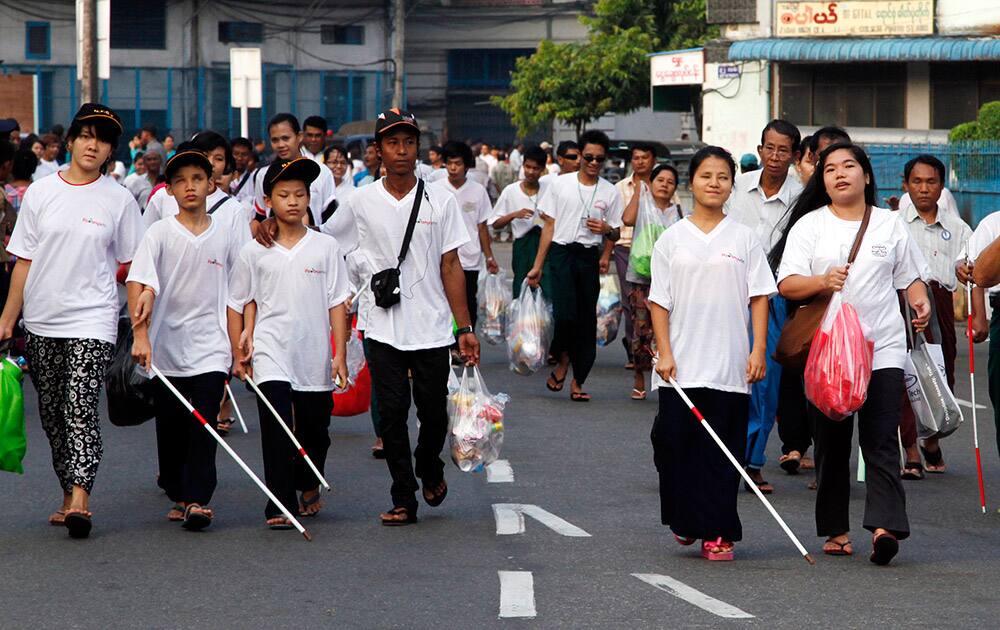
(868, 95)
(958, 90)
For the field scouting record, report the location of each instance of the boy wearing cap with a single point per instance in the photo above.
(283, 303)
(177, 291)
(65, 281)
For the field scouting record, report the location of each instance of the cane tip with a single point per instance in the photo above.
(307, 535)
(810, 559)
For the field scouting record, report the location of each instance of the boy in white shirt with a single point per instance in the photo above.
(177, 289)
(297, 288)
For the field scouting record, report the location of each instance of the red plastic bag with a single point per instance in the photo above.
(839, 366)
(356, 399)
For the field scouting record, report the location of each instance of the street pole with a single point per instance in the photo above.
(88, 53)
(399, 39)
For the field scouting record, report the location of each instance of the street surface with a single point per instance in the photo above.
(592, 553)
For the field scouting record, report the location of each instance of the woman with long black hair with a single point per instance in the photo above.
(811, 259)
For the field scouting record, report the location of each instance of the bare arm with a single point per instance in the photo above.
(986, 272)
(523, 213)
(665, 365)
(798, 287)
(15, 298)
(486, 241)
(605, 261)
(453, 279)
(338, 323)
(916, 295)
(139, 314)
(631, 212)
(545, 241)
(757, 364)
(980, 325)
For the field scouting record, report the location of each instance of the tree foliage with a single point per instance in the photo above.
(985, 127)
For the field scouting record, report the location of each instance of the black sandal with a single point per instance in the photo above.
(579, 397)
(558, 387)
(196, 520)
(281, 523)
(78, 524)
(224, 426)
(912, 471)
(935, 459)
(436, 498)
(305, 503)
(884, 549)
(411, 517)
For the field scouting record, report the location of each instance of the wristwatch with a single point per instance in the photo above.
(463, 331)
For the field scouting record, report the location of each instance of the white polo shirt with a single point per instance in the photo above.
(476, 208)
(766, 216)
(512, 199)
(571, 203)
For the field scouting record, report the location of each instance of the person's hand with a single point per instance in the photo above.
(598, 226)
(266, 232)
(834, 279)
(980, 327)
(142, 352)
(491, 265)
(246, 347)
(963, 271)
(6, 329)
(534, 277)
(757, 365)
(338, 371)
(468, 347)
(143, 307)
(242, 368)
(524, 213)
(666, 367)
(922, 307)
(603, 265)
(893, 202)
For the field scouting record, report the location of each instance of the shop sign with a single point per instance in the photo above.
(854, 18)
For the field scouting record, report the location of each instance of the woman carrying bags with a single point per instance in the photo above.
(73, 230)
(811, 257)
(706, 270)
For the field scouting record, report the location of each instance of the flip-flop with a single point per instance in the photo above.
(558, 382)
(841, 548)
(223, 426)
(436, 498)
(58, 518)
(378, 453)
(176, 513)
(638, 394)
(78, 524)
(716, 556)
(934, 460)
(884, 549)
(285, 524)
(411, 517)
(912, 471)
(685, 541)
(308, 503)
(790, 462)
(579, 397)
(763, 486)
(196, 517)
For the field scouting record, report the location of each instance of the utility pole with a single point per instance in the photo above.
(88, 51)
(398, 46)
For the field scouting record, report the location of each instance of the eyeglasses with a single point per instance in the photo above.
(594, 158)
(572, 157)
(782, 152)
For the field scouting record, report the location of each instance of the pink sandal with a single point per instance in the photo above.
(725, 550)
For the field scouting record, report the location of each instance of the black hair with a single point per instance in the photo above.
(339, 148)
(105, 133)
(242, 142)
(645, 147)
(665, 167)
(456, 149)
(27, 141)
(7, 150)
(784, 128)
(565, 147)
(929, 160)
(436, 148)
(536, 154)
(150, 127)
(815, 196)
(192, 145)
(593, 136)
(806, 143)
(711, 151)
(834, 134)
(284, 117)
(315, 121)
(25, 163)
(57, 129)
(209, 141)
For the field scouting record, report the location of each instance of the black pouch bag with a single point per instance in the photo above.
(385, 284)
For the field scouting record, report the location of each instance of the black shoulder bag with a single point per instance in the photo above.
(385, 284)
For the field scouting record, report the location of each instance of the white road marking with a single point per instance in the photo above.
(517, 594)
(966, 403)
(500, 472)
(510, 520)
(693, 596)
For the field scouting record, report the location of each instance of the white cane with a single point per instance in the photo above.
(972, 384)
(236, 407)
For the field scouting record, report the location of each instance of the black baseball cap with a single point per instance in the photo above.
(301, 169)
(395, 118)
(97, 114)
(187, 155)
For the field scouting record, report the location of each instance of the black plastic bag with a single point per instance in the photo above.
(130, 399)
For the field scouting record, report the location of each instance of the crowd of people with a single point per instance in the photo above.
(235, 265)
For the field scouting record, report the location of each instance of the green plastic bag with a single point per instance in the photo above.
(13, 441)
(642, 248)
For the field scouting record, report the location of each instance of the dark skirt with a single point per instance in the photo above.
(523, 259)
(698, 483)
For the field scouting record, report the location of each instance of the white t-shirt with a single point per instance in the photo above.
(322, 191)
(244, 193)
(294, 290)
(885, 263)
(190, 276)
(476, 208)
(75, 236)
(375, 222)
(766, 216)
(512, 199)
(986, 232)
(229, 213)
(571, 203)
(45, 167)
(706, 282)
(360, 272)
(345, 188)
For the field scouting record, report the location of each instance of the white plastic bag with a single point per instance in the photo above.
(355, 356)
(529, 332)
(938, 414)
(609, 309)
(494, 295)
(475, 423)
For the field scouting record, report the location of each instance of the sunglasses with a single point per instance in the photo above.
(594, 158)
(572, 157)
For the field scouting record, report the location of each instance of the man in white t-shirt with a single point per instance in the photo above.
(476, 209)
(568, 158)
(242, 186)
(583, 214)
(313, 138)
(984, 254)
(414, 333)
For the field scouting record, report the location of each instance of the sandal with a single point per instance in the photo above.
(884, 549)
(224, 426)
(717, 550)
(834, 548)
(436, 497)
(58, 518)
(638, 394)
(558, 382)
(934, 461)
(811, 485)
(807, 463)
(196, 517)
(305, 504)
(685, 541)
(279, 523)
(912, 471)
(78, 523)
(392, 517)
(378, 452)
(579, 396)
(790, 462)
(176, 513)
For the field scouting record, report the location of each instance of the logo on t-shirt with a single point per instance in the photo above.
(93, 221)
(601, 205)
(469, 206)
(313, 270)
(426, 222)
(880, 251)
(213, 261)
(732, 257)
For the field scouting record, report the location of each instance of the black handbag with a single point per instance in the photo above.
(385, 284)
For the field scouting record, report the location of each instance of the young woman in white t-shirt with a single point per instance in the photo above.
(811, 259)
(706, 270)
(73, 230)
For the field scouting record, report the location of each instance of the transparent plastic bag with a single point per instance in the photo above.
(609, 309)
(839, 366)
(529, 331)
(475, 423)
(494, 295)
(355, 356)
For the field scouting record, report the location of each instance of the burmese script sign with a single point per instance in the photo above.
(855, 17)
(683, 67)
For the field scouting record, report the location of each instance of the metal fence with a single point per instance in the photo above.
(973, 172)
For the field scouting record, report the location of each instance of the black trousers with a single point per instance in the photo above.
(794, 422)
(576, 285)
(389, 367)
(307, 414)
(885, 500)
(185, 450)
(698, 484)
(471, 289)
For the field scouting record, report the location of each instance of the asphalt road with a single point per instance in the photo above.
(590, 465)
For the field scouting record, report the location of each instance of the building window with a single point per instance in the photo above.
(37, 40)
(139, 24)
(241, 32)
(848, 95)
(958, 90)
(349, 34)
(482, 68)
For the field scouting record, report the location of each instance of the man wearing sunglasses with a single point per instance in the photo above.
(583, 217)
(568, 159)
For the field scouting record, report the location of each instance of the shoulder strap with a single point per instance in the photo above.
(243, 182)
(412, 222)
(856, 247)
(215, 206)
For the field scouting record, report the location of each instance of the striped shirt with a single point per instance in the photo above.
(942, 243)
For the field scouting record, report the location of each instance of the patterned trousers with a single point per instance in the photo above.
(68, 375)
